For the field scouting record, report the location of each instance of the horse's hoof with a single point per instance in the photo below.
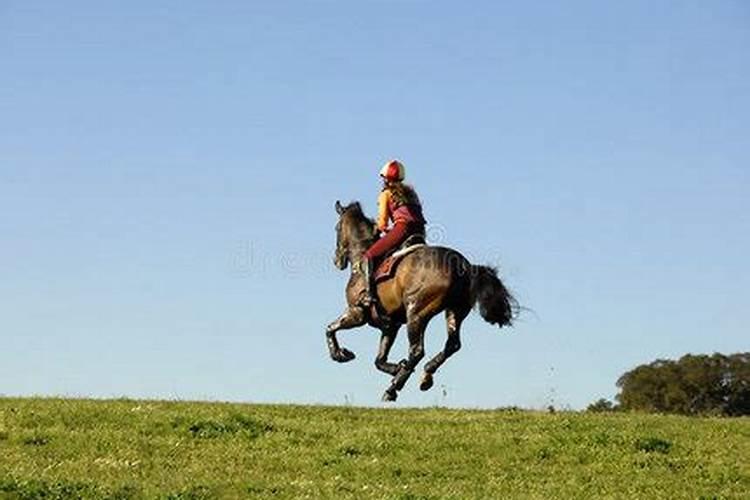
(344, 356)
(390, 396)
(426, 383)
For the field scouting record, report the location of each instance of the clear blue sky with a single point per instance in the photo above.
(168, 172)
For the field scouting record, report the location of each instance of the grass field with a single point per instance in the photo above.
(52, 448)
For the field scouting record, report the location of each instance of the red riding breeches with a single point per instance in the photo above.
(393, 238)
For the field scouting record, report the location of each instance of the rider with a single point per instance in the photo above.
(397, 202)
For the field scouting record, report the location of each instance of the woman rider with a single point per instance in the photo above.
(398, 202)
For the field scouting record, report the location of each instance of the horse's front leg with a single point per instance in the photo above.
(352, 318)
(386, 342)
(415, 328)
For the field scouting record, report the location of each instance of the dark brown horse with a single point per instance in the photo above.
(427, 281)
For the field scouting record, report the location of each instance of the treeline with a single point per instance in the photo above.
(692, 385)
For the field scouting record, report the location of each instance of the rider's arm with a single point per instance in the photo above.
(383, 214)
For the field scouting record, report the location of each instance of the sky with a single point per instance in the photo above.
(168, 172)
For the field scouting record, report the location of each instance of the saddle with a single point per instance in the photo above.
(385, 270)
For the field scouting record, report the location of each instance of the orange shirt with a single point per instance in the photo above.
(384, 209)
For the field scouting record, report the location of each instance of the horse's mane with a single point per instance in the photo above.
(362, 222)
(355, 210)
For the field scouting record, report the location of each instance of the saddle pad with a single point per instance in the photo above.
(386, 269)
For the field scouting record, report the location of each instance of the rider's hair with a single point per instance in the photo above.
(403, 194)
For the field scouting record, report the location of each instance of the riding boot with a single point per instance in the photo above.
(369, 296)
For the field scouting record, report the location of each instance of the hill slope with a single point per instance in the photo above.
(53, 448)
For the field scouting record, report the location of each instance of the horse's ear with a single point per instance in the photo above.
(339, 209)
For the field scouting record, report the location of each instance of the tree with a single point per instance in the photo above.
(601, 405)
(692, 385)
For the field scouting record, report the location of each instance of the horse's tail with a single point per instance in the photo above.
(496, 304)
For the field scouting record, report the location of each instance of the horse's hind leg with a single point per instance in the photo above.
(452, 345)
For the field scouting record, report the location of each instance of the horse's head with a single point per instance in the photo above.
(353, 231)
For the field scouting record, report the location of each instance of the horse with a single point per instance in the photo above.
(427, 281)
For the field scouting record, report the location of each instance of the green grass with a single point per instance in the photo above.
(51, 448)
